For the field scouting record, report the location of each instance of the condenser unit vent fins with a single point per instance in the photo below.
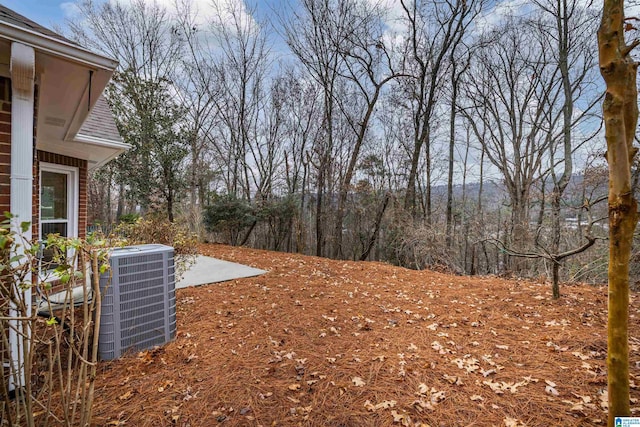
(138, 300)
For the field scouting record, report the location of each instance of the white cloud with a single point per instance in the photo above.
(396, 16)
(395, 21)
(204, 12)
(492, 17)
(231, 13)
(69, 9)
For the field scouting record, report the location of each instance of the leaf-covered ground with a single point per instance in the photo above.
(317, 342)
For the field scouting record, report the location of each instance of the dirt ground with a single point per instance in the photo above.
(317, 342)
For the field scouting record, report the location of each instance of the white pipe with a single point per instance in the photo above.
(22, 103)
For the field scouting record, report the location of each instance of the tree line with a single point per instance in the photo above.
(455, 135)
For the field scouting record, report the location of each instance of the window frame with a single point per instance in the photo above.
(73, 197)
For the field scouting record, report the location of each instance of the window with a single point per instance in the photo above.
(58, 203)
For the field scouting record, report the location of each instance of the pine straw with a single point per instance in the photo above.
(262, 351)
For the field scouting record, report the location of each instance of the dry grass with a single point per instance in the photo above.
(294, 347)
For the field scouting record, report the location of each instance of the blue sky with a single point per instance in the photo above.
(44, 12)
(50, 13)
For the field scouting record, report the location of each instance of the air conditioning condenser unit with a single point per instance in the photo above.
(138, 300)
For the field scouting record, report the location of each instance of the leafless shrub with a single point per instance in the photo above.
(49, 329)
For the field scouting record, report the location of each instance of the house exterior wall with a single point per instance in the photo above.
(5, 185)
(58, 159)
(5, 145)
(40, 156)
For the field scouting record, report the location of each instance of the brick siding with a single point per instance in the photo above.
(5, 186)
(39, 156)
(58, 159)
(5, 145)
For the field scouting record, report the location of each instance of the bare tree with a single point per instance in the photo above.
(620, 110)
(299, 101)
(143, 39)
(457, 69)
(434, 29)
(513, 83)
(312, 33)
(566, 26)
(240, 64)
(368, 66)
(197, 88)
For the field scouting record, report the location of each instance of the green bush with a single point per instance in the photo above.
(278, 215)
(228, 214)
(283, 209)
(156, 230)
(129, 218)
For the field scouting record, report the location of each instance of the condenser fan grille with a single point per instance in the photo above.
(138, 300)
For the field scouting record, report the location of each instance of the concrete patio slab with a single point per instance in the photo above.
(211, 270)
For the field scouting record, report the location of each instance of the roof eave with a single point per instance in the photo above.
(117, 147)
(103, 142)
(56, 47)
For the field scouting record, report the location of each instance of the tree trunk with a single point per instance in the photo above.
(324, 175)
(472, 268)
(427, 207)
(479, 219)
(348, 176)
(559, 185)
(452, 138)
(193, 199)
(248, 233)
(486, 257)
(541, 211)
(555, 265)
(410, 196)
(519, 232)
(465, 217)
(555, 240)
(170, 206)
(301, 241)
(319, 222)
(620, 110)
(107, 212)
(120, 208)
(376, 229)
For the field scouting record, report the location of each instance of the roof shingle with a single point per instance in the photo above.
(100, 123)
(11, 17)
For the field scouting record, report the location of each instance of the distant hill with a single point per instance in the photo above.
(494, 191)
